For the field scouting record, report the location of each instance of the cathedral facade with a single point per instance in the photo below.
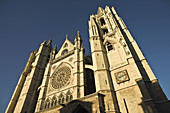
(116, 78)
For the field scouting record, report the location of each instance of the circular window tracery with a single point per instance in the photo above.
(61, 77)
(64, 52)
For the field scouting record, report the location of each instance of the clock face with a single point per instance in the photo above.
(61, 77)
(121, 76)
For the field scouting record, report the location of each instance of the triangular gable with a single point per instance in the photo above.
(66, 47)
(100, 11)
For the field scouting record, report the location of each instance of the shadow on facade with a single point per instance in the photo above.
(153, 98)
(77, 106)
(89, 82)
(149, 105)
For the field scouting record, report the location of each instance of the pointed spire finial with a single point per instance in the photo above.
(36, 51)
(100, 11)
(49, 43)
(55, 47)
(66, 36)
(50, 40)
(43, 42)
(78, 37)
(78, 33)
(99, 5)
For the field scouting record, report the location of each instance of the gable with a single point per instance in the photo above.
(65, 48)
(100, 11)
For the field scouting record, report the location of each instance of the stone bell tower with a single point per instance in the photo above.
(25, 95)
(120, 66)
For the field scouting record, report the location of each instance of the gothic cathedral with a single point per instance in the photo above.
(116, 78)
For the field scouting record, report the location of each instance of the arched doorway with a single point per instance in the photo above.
(80, 109)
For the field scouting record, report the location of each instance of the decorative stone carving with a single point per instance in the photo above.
(61, 77)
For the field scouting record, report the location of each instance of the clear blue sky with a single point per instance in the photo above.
(24, 25)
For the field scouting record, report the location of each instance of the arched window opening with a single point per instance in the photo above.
(62, 100)
(64, 52)
(102, 21)
(71, 97)
(55, 102)
(48, 104)
(52, 103)
(65, 45)
(67, 99)
(105, 31)
(59, 101)
(109, 46)
(45, 106)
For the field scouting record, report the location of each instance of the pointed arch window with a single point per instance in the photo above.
(59, 101)
(52, 103)
(105, 31)
(102, 21)
(55, 102)
(62, 100)
(47, 104)
(64, 52)
(67, 98)
(71, 97)
(109, 46)
(65, 45)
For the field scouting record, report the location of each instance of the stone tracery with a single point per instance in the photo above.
(61, 77)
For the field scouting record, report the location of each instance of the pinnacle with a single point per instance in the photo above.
(50, 40)
(55, 47)
(92, 22)
(78, 37)
(44, 42)
(78, 33)
(66, 36)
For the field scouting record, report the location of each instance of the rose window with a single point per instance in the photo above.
(61, 77)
